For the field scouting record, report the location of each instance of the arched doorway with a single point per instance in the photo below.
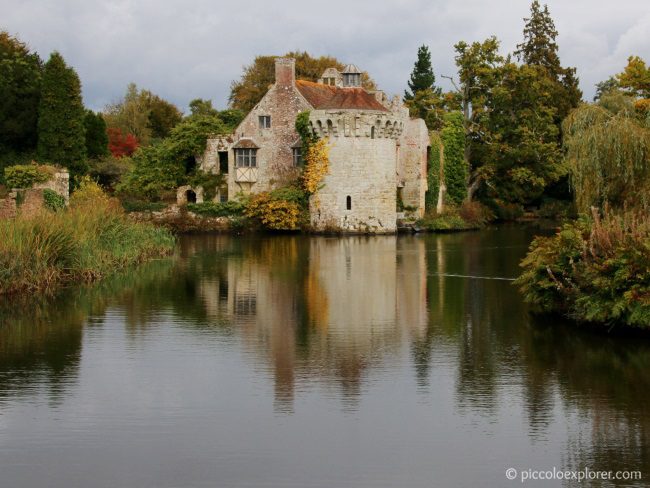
(190, 196)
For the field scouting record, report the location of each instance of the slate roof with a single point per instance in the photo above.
(326, 97)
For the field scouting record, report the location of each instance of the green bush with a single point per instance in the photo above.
(26, 175)
(53, 200)
(214, 209)
(592, 270)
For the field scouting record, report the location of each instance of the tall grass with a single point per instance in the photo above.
(85, 242)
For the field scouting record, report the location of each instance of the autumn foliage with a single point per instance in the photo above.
(120, 144)
(316, 165)
(273, 213)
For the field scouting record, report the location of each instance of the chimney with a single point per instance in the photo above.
(285, 71)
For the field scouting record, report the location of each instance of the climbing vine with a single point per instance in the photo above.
(315, 154)
(316, 165)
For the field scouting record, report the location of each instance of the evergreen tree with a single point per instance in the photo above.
(20, 87)
(540, 49)
(96, 136)
(61, 130)
(422, 77)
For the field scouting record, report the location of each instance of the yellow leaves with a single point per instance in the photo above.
(316, 165)
(272, 213)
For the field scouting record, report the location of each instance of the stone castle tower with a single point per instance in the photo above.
(378, 154)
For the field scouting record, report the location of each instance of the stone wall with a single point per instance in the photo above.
(8, 208)
(60, 183)
(412, 164)
(363, 154)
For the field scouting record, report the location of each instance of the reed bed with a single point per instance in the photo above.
(87, 241)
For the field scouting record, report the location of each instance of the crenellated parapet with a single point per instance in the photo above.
(373, 125)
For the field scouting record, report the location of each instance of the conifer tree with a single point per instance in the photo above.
(61, 130)
(96, 136)
(20, 84)
(540, 49)
(422, 77)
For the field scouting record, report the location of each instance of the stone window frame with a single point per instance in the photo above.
(246, 158)
(296, 153)
(264, 121)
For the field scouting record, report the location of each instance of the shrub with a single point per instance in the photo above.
(273, 213)
(27, 175)
(53, 200)
(475, 214)
(214, 209)
(505, 210)
(594, 270)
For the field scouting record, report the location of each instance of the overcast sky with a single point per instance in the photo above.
(187, 49)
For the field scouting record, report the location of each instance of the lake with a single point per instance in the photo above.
(296, 361)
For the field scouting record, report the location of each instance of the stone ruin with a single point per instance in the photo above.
(27, 202)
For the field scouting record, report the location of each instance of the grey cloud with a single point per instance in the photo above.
(195, 48)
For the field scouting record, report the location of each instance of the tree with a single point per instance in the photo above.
(61, 128)
(635, 78)
(96, 136)
(605, 87)
(120, 144)
(479, 66)
(522, 156)
(608, 154)
(260, 75)
(422, 77)
(424, 99)
(20, 87)
(540, 49)
(163, 115)
(130, 114)
(171, 162)
(198, 106)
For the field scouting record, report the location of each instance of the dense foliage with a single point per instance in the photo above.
(608, 153)
(455, 168)
(273, 212)
(96, 136)
(91, 239)
(142, 114)
(53, 200)
(20, 91)
(61, 115)
(171, 162)
(217, 209)
(27, 175)
(595, 270)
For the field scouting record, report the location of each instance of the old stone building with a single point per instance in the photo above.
(377, 158)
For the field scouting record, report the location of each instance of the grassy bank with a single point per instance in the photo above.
(89, 240)
(593, 270)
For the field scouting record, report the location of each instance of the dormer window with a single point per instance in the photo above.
(265, 121)
(329, 81)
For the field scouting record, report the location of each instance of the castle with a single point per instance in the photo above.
(378, 154)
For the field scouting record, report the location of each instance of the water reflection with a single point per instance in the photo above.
(344, 319)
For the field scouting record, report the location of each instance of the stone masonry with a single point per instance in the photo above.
(376, 150)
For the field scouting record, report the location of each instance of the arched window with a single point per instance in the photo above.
(348, 202)
(372, 132)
